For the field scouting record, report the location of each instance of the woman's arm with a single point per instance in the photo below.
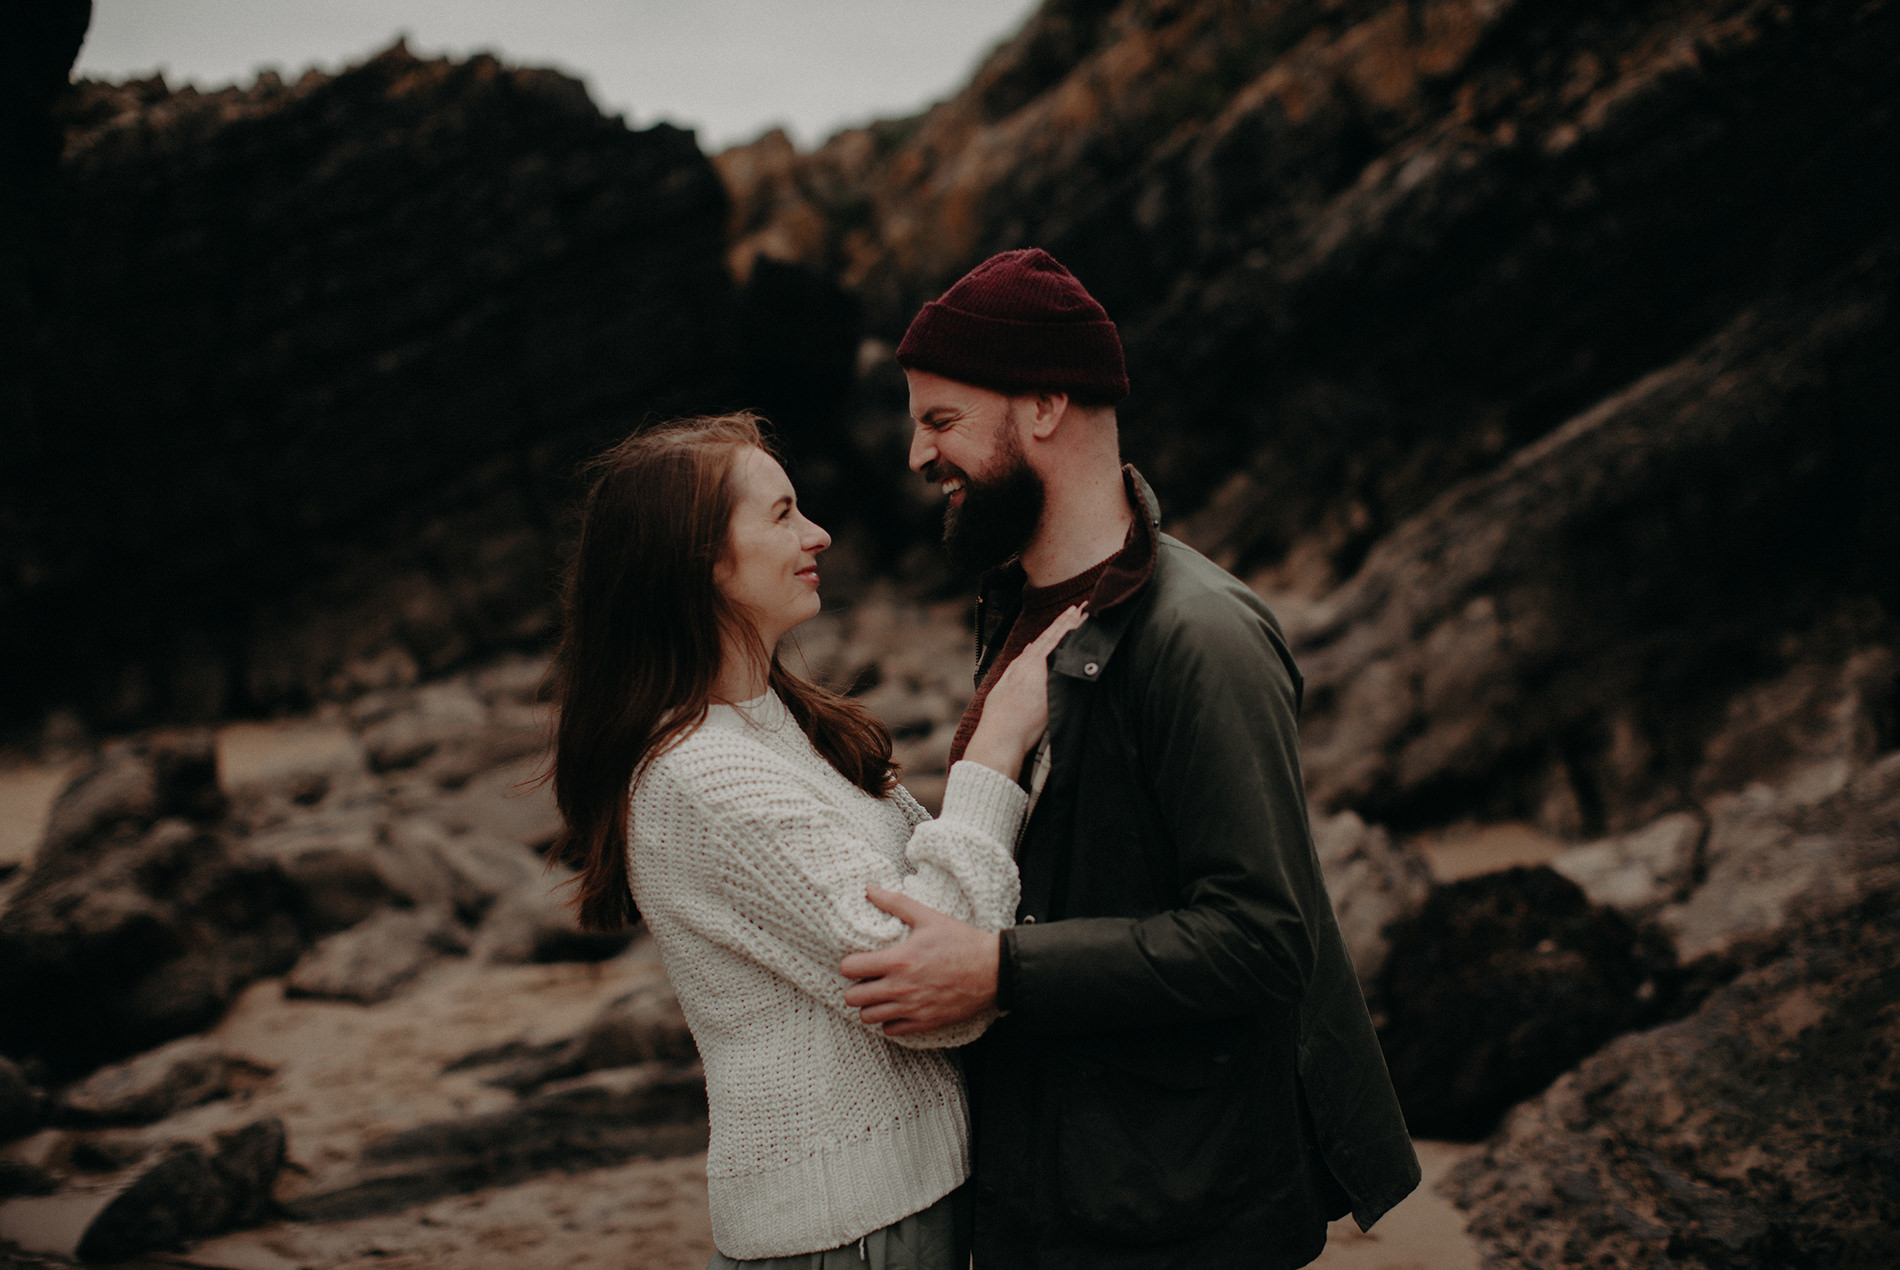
(766, 867)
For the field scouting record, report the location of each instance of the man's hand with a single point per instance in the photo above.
(944, 973)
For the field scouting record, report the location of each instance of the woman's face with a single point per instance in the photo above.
(769, 571)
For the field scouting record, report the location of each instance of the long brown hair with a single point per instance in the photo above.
(640, 646)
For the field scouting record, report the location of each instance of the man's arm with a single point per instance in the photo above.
(944, 973)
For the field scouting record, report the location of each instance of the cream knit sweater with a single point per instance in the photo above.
(749, 859)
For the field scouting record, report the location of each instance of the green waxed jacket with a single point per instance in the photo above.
(1185, 1073)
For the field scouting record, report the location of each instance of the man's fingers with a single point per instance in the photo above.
(901, 906)
(868, 965)
(887, 1012)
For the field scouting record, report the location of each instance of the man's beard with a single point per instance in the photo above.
(999, 512)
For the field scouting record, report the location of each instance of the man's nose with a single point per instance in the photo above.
(922, 449)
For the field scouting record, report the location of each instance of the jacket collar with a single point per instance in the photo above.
(1085, 653)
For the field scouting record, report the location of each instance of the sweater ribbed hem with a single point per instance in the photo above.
(985, 800)
(831, 1198)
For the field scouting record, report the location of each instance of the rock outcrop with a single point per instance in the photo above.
(1499, 984)
(315, 364)
(1547, 351)
(137, 924)
(1758, 1131)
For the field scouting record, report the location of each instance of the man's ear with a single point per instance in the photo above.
(1051, 409)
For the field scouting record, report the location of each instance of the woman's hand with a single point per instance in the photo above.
(1016, 712)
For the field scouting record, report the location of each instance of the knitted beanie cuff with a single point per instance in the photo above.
(1083, 359)
(1019, 323)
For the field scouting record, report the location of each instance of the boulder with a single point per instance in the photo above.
(131, 783)
(654, 1109)
(434, 715)
(346, 866)
(376, 959)
(1639, 872)
(298, 760)
(1778, 858)
(643, 1026)
(509, 801)
(1373, 883)
(1757, 1131)
(131, 940)
(1501, 983)
(534, 924)
(481, 867)
(187, 1191)
(152, 1086)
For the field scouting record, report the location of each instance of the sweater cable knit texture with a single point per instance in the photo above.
(749, 859)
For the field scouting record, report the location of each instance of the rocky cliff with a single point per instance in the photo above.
(1539, 364)
(313, 366)
(1555, 346)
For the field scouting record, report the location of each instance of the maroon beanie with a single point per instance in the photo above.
(1019, 323)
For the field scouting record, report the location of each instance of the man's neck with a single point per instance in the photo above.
(1084, 522)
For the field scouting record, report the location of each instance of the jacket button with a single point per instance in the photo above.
(1029, 919)
(1092, 669)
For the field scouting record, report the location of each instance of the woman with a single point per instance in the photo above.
(745, 811)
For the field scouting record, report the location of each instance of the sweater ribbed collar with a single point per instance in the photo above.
(764, 713)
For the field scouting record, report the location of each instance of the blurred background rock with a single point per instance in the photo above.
(1540, 365)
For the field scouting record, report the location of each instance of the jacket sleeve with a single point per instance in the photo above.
(1214, 723)
(791, 872)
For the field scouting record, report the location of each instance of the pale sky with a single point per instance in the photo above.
(729, 69)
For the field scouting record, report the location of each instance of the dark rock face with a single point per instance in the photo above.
(21, 1107)
(1500, 983)
(38, 44)
(136, 925)
(1760, 1130)
(1516, 646)
(1384, 270)
(315, 365)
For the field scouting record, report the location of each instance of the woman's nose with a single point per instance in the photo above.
(816, 539)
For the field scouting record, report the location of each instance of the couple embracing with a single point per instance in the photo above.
(1096, 1013)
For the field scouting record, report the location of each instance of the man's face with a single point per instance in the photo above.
(966, 442)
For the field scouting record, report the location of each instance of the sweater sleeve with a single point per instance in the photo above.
(791, 869)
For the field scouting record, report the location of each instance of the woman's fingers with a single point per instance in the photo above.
(1066, 621)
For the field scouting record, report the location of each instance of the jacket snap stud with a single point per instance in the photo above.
(1092, 668)
(1029, 919)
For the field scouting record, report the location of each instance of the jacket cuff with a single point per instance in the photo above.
(983, 799)
(1006, 971)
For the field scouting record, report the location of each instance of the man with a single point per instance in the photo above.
(1183, 1073)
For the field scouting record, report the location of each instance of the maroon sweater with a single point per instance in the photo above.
(1104, 585)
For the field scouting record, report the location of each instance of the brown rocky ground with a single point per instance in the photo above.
(1537, 362)
(426, 1086)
